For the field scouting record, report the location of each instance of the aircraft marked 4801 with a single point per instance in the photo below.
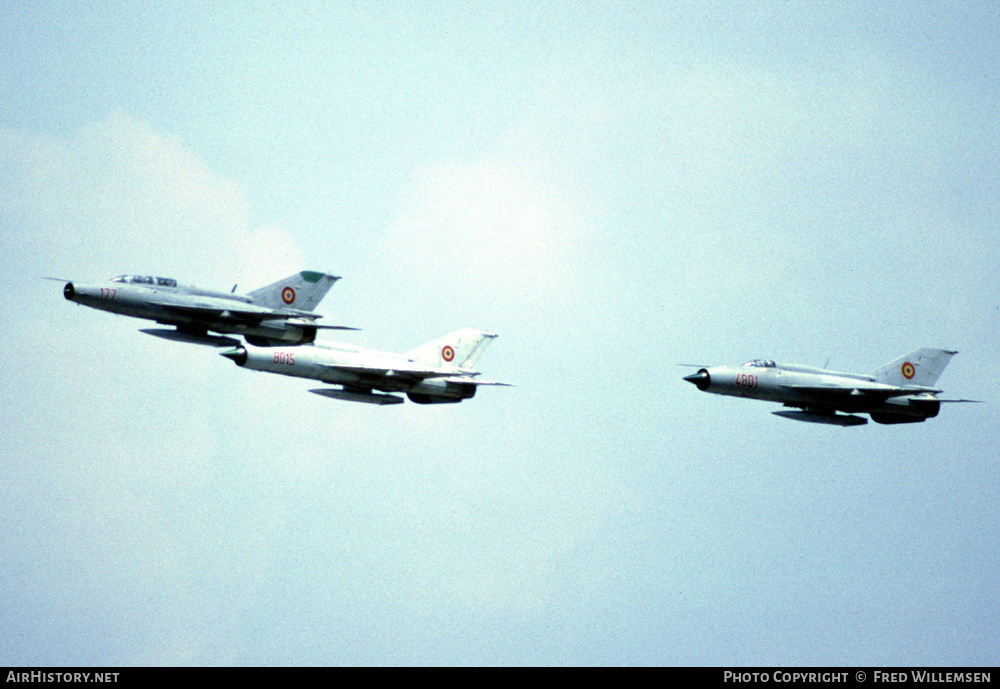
(747, 380)
(898, 392)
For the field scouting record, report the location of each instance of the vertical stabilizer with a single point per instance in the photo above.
(922, 367)
(461, 348)
(302, 291)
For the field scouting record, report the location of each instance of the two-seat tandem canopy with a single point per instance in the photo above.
(145, 280)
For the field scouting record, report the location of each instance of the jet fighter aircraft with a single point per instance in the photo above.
(434, 373)
(280, 313)
(899, 392)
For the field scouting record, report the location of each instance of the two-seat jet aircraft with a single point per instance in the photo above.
(434, 373)
(280, 313)
(899, 392)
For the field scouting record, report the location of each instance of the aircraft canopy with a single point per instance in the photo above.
(145, 280)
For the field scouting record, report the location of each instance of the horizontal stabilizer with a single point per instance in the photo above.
(192, 338)
(472, 381)
(873, 390)
(328, 327)
(354, 396)
(818, 417)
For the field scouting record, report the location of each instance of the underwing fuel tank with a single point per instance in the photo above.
(350, 396)
(193, 338)
(831, 419)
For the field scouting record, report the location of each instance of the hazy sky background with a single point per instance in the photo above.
(614, 188)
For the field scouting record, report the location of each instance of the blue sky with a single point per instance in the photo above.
(614, 188)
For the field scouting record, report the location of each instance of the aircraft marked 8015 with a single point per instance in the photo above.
(284, 358)
(425, 374)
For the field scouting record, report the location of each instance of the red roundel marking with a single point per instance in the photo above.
(288, 295)
(447, 353)
(908, 370)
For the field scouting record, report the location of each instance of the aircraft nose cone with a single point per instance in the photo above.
(239, 355)
(68, 291)
(701, 379)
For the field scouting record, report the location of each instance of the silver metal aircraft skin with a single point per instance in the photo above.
(901, 391)
(435, 373)
(280, 313)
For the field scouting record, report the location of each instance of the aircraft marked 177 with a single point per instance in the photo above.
(434, 373)
(280, 313)
(899, 392)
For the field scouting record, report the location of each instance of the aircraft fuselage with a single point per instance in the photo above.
(436, 372)
(819, 392)
(193, 310)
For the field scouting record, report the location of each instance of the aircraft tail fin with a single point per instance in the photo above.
(461, 348)
(302, 291)
(922, 367)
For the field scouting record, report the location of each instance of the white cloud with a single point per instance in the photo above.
(118, 197)
(494, 225)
